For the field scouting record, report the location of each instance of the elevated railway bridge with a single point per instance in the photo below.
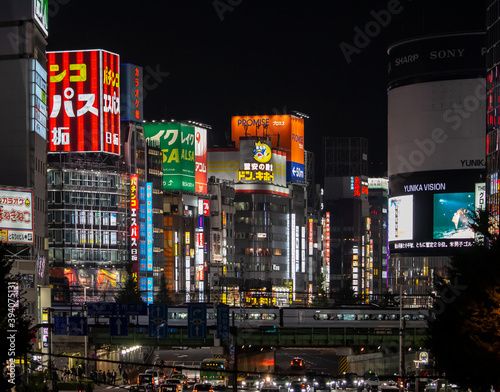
(362, 326)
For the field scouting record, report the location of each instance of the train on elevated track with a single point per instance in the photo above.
(295, 317)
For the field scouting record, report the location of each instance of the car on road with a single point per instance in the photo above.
(369, 382)
(177, 382)
(190, 382)
(269, 389)
(146, 378)
(252, 382)
(159, 376)
(297, 363)
(137, 388)
(349, 381)
(203, 387)
(387, 387)
(179, 376)
(169, 388)
(300, 386)
(283, 382)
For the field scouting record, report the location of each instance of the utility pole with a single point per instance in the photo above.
(401, 333)
(234, 332)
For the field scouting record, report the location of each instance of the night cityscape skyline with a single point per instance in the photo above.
(173, 166)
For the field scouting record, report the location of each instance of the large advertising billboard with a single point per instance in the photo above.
(180, 143)
(437, 126)
(284, 131)
(254, 168)
(84, 101)
(430, 212)
(101, 284)
(16, 215)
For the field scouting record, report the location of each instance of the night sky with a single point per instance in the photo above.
(210, 60)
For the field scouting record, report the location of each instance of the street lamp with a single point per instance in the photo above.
(86, 338)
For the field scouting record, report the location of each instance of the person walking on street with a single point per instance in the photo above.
(125, 375)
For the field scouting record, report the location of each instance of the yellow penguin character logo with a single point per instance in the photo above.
(262, 152)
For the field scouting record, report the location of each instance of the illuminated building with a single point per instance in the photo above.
(23, 152)
(378, 199)
(271, 263)
(436, 141)
(88, 182)
(493, 117)
(185, 207)
(145, 160)
(346, 199)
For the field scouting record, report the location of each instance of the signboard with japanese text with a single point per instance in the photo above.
(285, 132)
(149, 226)
(16, 215)
(177, 142)
(134, 221)
(200, 155)
(260, 164)
(132, 93)
(431, 211)
(84, 101)
(203, 207)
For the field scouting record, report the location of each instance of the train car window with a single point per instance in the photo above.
(349, 317)
(178, 316)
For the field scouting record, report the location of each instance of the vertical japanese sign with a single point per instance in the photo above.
(188, 158)
(134, 221)
(150, 291)
(311, 238)
(200, 156)
(132, 93)
(326, 229)
(149, 226)
(142, 228)
(84, 101)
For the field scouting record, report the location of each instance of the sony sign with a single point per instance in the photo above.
(41, 15)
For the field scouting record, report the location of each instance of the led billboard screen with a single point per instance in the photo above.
(84, 101)
(429, 212)
(401, 218)
(422, 138)
(452, 215)
(284, 131)
(180, 142)
(101, 283)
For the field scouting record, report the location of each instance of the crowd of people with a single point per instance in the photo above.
(98, 376)
(103, 377)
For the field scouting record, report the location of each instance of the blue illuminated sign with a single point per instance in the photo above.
(149, 226)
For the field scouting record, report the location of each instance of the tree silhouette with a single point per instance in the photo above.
(129, 293)
(163, 295)
(464, 327)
